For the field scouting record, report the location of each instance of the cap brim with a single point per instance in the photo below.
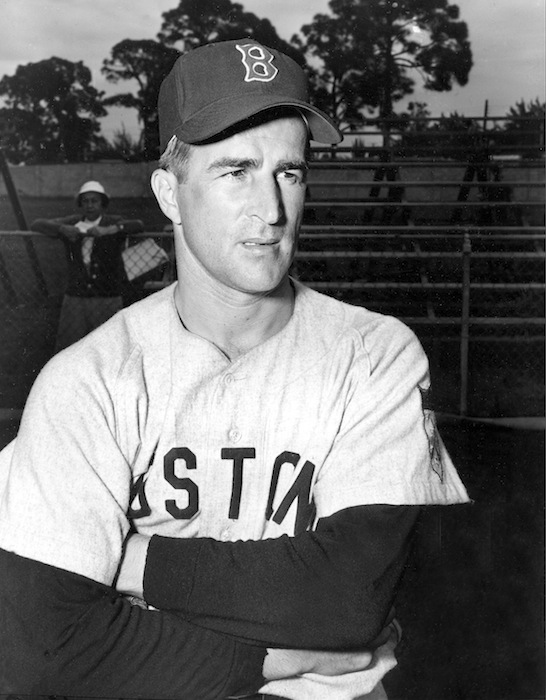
(215, 119)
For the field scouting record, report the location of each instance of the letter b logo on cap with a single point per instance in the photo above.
(258, 63)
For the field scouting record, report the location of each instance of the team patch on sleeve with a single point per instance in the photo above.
(431, 430)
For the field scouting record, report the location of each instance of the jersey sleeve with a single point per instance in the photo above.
(66, 495)
(388, 448)
(64, 500)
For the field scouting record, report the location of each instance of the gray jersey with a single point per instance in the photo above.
(143, 422)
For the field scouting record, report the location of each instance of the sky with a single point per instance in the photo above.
(508, 39)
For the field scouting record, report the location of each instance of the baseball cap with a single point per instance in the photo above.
(216, 86)
(92, 186)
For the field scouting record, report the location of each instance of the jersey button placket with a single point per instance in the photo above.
(234, 434)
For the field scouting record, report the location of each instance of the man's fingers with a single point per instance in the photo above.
(286, 663)
(337, 663)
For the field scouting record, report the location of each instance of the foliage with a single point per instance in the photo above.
(197, 22)
(51, 111)
(362, 54)
(20, 136)
(147, 62)
(454, 136)
(525, 128)
(533, 110)
(122, 147)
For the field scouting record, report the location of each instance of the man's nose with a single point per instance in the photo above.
(266, 201)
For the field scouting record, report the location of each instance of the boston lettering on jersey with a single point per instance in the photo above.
(299, 490)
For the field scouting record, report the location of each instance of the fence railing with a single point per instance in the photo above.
(452, 137)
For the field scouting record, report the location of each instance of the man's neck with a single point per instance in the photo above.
(238, 324)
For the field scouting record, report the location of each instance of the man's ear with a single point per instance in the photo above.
(164, 185)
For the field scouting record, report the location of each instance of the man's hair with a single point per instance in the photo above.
(176, 155)
(175, 158)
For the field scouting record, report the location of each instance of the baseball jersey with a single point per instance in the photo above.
(143, 422)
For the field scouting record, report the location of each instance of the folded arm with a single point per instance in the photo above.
(62, 226)
(64, 634)
(338, 583)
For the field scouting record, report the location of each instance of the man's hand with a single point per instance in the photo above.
(286, 663)
(71, 232)
(130, 578)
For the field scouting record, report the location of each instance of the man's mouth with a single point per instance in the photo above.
(260, 243)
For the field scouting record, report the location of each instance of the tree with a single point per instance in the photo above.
(524, 129)
(122, 146)
(453, 136)
(53, 110)
(197, 22)
(20, 136)
(147, 62)
(191, 24)
(363, 53)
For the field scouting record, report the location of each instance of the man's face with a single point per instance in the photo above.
(91, 205)
(241, 206)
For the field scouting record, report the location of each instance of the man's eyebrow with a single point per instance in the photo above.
(234, 163)
(292, 165)
(241, 163)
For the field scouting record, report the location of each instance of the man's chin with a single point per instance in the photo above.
(271, 287)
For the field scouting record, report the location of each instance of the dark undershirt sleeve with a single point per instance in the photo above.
(63, 634)
(328, 589)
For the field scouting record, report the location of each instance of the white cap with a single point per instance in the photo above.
(92, 186)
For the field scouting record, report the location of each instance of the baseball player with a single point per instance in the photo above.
(94, 241)
(243, 454)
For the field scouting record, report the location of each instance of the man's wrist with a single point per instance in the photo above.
(130, 579)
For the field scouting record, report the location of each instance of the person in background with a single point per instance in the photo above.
(94, 242)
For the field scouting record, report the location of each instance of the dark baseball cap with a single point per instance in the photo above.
(216, 86)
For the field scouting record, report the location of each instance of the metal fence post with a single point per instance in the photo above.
(465, 324)
(12, 194)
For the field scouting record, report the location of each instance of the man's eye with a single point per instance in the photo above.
(236, 174)
(291, 175)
